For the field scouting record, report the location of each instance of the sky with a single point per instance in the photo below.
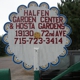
(8, 6)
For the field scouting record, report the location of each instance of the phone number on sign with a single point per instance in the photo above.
(38, 41)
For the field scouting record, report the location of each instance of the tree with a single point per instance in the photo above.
(71, 9)
(2, 47)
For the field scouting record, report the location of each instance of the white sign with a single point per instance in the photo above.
(37, 26)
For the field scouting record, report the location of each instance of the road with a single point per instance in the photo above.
(17, 71)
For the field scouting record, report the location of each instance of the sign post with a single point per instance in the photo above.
(39, 29)
(36, 64)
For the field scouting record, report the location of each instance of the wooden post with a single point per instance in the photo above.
(36, 64)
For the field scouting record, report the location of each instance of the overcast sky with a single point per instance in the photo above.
(8, 6)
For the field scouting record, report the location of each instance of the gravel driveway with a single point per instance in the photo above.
(17, 71)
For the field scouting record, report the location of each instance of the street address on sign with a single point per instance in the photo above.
(37, 26)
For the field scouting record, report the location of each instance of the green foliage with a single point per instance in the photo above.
(2, 47)
(71, 9)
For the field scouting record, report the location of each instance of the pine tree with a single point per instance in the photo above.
(2, 47)
(71, 9)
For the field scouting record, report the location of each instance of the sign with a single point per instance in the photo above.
(37, 26)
